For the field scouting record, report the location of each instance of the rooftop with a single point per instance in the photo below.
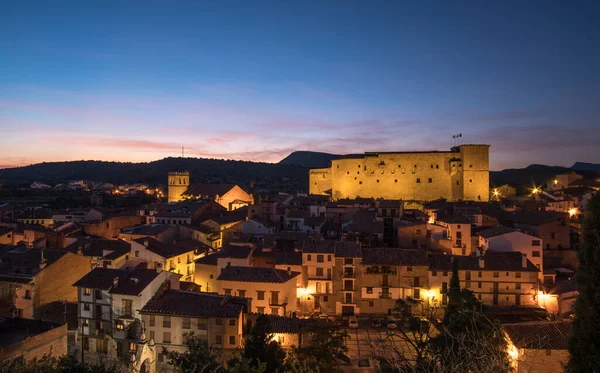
(209, 190)
(163, 249)
(542, 335)
(128, 283)
(496, 231)
(195, 304)
(348, 250)
(256, 274)
(394, 257)
(492, 261)
(146, 230)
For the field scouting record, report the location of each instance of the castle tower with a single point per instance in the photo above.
(476, 172)
(178, 184)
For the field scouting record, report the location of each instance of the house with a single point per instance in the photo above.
(6, 236)
(230, 196)
(210, 266)
(37, 216)
(386, 275)
(226, 224)
(258, 226)
(502, 239)
(161, 232)
(550, 226)
(503, 191)
(24, 339)
(318, 262)
(77, 216)
(101, 252)
(33, 279)
(171, 257)
(455, 235)
(109, 302)
(202, 233)
(413, 234)
(273, 291)
(348, 256)
(367, 228)
(174, 314)
(496, 278)
(538, 347)
(184, 212)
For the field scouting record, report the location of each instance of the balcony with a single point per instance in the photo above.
(385, 295)
(348, 288)
(275, 302)
(348, 274)
(348, 301)
(381, 270)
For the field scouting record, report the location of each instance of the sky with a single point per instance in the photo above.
(255, 80)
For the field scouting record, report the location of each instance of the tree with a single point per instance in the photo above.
(468, 340)
(51, 364)
(584, 345)
(326, 348)
(294, 363)
(197, 358)
(259, 347)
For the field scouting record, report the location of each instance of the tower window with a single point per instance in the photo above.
(396, 180)
(470, 166)
(418, 181)
(348, 172)
(431, 166)
(470, 180)
(437, 166)
(377, 180)
(457, 182)
(358, 172)
(360, 182)
(430, 180)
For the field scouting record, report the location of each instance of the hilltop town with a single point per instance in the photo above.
(123, 273)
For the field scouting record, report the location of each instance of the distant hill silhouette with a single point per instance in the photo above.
(289, 175)
(583, 166)
(309, 159)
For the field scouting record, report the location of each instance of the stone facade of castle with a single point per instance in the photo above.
(178, 183)
(459, 174)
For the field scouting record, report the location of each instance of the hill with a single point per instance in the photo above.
(282, 177)
(583, 166)
(309, 159)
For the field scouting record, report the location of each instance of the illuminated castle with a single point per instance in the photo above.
(459, 174)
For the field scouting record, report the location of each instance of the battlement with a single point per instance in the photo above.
(179, 173)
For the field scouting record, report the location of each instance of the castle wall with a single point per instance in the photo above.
(420, 176)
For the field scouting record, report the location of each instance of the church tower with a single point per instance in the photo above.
(178, 184)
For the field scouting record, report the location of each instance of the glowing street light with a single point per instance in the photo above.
(535, 190)
(496, 193)
(573, 212)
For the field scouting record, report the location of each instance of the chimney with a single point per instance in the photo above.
(158, 267)
(524, 260)
(481, 262)
(289, 271)
(115, 282)
(42, 260)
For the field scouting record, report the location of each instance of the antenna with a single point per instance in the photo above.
(182, 152)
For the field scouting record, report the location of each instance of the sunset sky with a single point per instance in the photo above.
(256, 80)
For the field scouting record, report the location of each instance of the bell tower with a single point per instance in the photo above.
(177, 185)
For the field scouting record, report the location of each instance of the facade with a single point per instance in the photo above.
(497, 279)
(109, 302)
(161, 232)
(178, 182)
(173, 314)
(31, 339)
(230, 196)
(77, 216)
(459, 174)
(171, 257)
(317, 293)
(538, 347)
(452, 234)
(505, 239)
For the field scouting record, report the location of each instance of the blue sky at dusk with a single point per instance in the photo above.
(256, 80)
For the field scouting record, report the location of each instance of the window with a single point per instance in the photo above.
(211, 277)
(535, 243)
(430, 180)
(325, 298)
(86, 343)
(348, 261)
(202, 324)
(553, 235)
(232, 339)
(260, 310)
(86, 291)
(409, 268)
(260, 295)
(166, 321)
(98, 294)
(231, 322)
(127, 307)
(369, 290)
(151, 335)
(218, 339)
(518, 274)
(470, 180)
(437, 166)
(445, 273)
(186, 323)
(274, 311)
(479, 274)
(319, 272)
(242, 293)
(132, 346)
(496, 274)
(431, 166)
(160, 357)
(329, 258)
(548, 352)
(518, 286)
(137, 253)
(119, 325)
(86, 306)
(418, 231)
(320, 258)
(308, 258)
(434, 273)
(227, 291)
(152, 320)
(218, 322)
(418, 180)
(167, 337)
(371, 303)
(535, 254)
(479, 285)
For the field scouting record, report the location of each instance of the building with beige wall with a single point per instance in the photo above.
(208, 268)
(318, 262)
(177, 184)
(170, 257)
(459, 174)
(503, 239)
(538, 347)
(230, 196)
(172, 315)
(496, 278)
(452, 234)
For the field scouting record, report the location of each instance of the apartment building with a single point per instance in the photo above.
(452, 234)
(170, 317)
(496, 278)
(318, 261)
(208, 268)
(171, 257)
(348, 257)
